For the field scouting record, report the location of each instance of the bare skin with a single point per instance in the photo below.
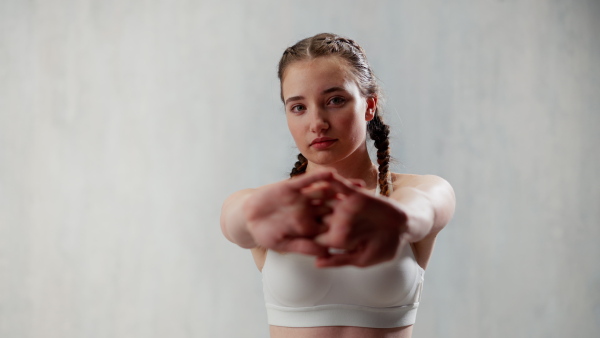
(339, 331)
(333, 204)
(422, 250)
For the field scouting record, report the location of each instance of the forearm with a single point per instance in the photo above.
(233, 220)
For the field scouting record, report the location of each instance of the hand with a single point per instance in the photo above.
(287, 215)
(368, 228)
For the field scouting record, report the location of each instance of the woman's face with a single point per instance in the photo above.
(325, 110)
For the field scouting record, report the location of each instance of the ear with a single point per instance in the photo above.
(371, 108)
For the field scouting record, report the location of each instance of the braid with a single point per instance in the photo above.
(300, 166)
(327, 45)
(379, 132)
(350, 42)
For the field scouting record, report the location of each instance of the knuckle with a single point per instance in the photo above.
(344, 231)
(303, 229)
(338, 242)
(362, 263)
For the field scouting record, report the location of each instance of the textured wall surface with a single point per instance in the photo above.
(124, 125)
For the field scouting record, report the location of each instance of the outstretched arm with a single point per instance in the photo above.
(370, 228)
(233, 220)
(278, 216)
(428, 202)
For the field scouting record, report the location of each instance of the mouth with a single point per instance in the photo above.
(323, 142)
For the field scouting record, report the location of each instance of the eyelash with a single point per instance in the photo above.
(294, 109)
(343, 100)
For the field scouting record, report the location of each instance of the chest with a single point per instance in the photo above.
(292, 280)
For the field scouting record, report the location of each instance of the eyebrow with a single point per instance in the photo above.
(326, 91)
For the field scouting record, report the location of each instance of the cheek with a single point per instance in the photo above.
(290, 124)
(295, 128)
(358, 130)
(354, 123)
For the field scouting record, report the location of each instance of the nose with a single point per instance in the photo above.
(319, 121)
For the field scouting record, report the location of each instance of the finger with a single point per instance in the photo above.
(321, 210)
(373, 254)
(338, 237)
(321, 226)
(304, 246)
(336, 260)
(307, 179)
(327, 219)
(331, 203)
(311, 226)
(320, 190)
(342, 234)
(314, 186)
(322, 229)
(323, 239)
(342, 185)
(357, 182)
(365, 255)
(370, 255)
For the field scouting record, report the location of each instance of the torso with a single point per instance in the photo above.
(421, 253)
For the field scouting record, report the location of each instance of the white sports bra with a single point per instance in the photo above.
(297, 294)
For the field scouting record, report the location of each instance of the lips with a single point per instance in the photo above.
(322, 142)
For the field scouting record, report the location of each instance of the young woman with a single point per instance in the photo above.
(343, 243)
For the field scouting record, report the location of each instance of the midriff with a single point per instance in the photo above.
(339, 332)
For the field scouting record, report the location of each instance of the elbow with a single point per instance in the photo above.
(444, 200)
(233, 223)
(224, 223)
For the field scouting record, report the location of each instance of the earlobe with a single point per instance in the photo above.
(370, 114)
(371, 107)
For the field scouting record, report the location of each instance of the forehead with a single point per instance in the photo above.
(318, 74)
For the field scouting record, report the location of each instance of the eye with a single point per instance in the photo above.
(337, 101)
(297, 108)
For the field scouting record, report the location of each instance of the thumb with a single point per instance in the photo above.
(323, 239)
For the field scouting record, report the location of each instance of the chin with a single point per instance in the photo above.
(322, 159)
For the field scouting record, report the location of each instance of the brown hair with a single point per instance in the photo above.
(326, 44)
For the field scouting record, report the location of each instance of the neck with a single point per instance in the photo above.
(356, 166)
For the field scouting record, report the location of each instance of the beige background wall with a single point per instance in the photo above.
(124, 125)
